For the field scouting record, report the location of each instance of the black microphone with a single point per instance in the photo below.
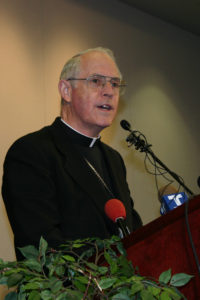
(125, 125)
(134, 137)
(115, 210)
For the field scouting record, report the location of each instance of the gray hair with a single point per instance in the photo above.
(72, 66)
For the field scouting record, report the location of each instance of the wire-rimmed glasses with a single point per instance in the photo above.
(97, 81)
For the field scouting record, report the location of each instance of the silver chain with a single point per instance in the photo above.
(99, 177)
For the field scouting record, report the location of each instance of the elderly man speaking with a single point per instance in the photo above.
(57, 180)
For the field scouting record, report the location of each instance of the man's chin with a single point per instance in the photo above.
(105, 124)
(102, 124)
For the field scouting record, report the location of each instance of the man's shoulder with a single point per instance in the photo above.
(37, 139)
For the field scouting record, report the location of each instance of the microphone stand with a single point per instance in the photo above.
(143, 146)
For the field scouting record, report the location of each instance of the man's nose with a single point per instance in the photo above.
(108, 89)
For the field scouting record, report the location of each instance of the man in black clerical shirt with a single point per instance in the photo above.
(57, 180)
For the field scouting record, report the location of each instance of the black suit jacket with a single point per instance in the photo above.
(50, 191)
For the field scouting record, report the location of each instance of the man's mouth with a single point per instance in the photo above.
(105, 106)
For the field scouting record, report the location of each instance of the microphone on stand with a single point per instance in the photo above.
(125, 125)
(142, 145)
(115, 210)
(135, 137)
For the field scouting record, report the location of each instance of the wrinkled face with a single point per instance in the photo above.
(92, 109)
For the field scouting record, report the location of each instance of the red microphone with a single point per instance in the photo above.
(115, 210)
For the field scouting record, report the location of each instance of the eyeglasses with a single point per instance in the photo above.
(97, 81)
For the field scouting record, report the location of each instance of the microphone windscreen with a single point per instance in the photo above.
(125, 125)
(115, 209)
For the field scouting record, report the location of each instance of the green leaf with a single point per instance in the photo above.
(8, 272)
(136, 287)
(121, 296)
(31, 286)
(14, 279)
(165, 296)
(74, 295)
(60, 270)
(82, 279)
(165, 276)
(88, 253)
(56, 286)
(174, 294)
(43, 248)
(77, 245)
(92, 266)
(155, 291)
(46, 295)
(62, 296)
(136, 278)
(113, 267)
(29, 252)
(69, 258)
(102, 270)
(3, 280)
(21, 295)
(65, 296)
(146, 295)
(108, 258)
(51, 267)
(79, 285)
(45, 284)
(107, 282)
(34, 295)
(114, 239)
(125, 266)
(121, 249)
(180, 279)
(11, 296)
(33, 264)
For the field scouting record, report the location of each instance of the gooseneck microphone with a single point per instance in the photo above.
(135, 137)
(115, 210)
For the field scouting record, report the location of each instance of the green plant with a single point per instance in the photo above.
(84, 269)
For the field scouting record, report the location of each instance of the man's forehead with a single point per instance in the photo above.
(97, 62)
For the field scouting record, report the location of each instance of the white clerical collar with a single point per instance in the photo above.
(93, 139)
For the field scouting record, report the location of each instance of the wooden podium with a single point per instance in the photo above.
(164, 243)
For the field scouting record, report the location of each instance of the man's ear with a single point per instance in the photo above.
(65, 88)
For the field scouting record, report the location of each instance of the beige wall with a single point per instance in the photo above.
(160, 62)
